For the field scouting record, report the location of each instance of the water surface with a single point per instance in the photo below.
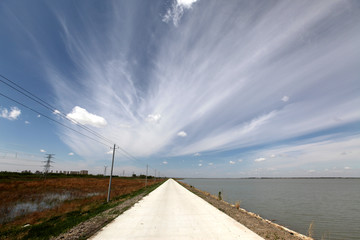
(332, 204)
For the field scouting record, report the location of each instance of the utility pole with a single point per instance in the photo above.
(105, 167)
(47, 163)
(112, 167)
(155, 176)
(146, 175)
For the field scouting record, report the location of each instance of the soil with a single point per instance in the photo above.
(261, 226)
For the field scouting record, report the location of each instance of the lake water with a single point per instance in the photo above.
(333, 205)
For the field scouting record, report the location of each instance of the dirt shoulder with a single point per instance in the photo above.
(254, 222)
(88, 228)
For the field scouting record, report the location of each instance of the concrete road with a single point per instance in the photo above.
(173, 212)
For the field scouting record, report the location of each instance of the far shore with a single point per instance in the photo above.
(272, 178)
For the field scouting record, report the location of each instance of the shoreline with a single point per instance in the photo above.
(263, 227)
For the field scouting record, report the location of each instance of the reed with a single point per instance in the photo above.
(237, 204)
(311, 229)
(87, 196)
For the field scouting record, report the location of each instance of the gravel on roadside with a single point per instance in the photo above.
(257, 224)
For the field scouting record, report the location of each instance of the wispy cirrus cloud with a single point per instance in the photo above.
(176, 11)
(229, 78)
(314, 152)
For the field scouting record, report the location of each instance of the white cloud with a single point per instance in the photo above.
(197, 154)
(56, 112)
(12, 115)
(182, 134)
(27, 122)
(38, 115)
(240, 160)
(210, 164)
(186, 3)
(176, 11)
(260, 159)
(165, 162)
(200, 164)
(110, 152)
(272, 155)
(285, 98)
(153, 118)
(71, 154)
(82, 116)
(42, 150)
(311, 171)
(231, 162)
(347, 168)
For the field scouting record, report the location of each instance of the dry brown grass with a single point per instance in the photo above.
(237, 204)
(80, 189)
(311, 229)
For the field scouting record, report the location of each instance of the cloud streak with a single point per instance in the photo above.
(226, 75)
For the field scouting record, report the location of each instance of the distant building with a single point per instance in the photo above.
(82, 172)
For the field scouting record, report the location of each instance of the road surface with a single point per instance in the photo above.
(173, 212)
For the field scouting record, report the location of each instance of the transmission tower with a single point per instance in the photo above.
(47, 163)
(105, 167)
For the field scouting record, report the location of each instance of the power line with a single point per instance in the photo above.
(51, 118)
(53, 109)
(17, 159)
(49, 106)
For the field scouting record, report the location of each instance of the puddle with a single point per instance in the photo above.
(43, 202)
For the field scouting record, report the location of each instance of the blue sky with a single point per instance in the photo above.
(192, 88)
